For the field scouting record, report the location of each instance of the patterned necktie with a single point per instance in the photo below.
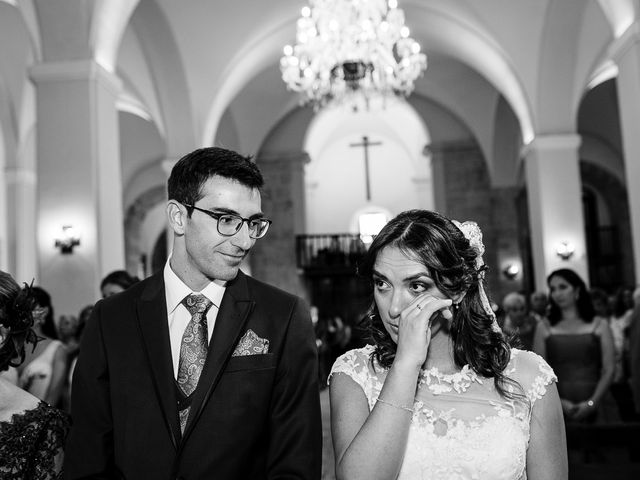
(193, 350)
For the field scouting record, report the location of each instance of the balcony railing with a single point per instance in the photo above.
(330, 252)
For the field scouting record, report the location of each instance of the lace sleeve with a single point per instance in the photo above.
(32, 444)
(533, 373)
(354, 364)
(49, 449)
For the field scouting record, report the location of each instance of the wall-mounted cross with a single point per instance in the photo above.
(366, 144)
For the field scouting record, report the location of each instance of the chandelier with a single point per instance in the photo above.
(351, 50)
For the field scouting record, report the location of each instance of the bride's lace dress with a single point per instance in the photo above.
(461, 427)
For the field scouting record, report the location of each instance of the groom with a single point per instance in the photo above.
(199, 371)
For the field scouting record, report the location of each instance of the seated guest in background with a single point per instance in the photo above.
(517, 321)
(32, 433)
(44, 369)
(116, 282)
(578, 346)
(440, 394)
(538, 304)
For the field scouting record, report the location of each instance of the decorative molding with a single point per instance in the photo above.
(569, 141)
(20, 176)
(74, 70)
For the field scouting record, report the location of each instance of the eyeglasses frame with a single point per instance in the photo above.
(216, 216)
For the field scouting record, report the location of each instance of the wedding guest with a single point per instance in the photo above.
(538, 303)
(440, 394)
(116, 282)
(32, 433)
(517, 320)
(44, 369)
(577, 344)
(620, 322)
(601, 302)
(73, 347)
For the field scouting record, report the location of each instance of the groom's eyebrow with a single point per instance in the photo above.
(234, 212)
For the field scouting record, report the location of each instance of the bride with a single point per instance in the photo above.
(440, 394)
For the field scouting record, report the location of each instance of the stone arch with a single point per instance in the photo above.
(134, 226)
(614, 194)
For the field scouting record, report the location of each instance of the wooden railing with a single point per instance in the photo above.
(335, 251)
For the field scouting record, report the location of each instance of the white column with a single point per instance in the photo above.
(555, 205)
(628, 94)
(79, 179)
(21, 222)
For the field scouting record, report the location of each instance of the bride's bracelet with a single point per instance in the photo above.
(402, 407)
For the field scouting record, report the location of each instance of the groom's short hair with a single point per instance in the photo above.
(191, 172)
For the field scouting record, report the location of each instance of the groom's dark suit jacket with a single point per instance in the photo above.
(252, 417)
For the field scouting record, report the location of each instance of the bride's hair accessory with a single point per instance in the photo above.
(473, 234)
(17, 320)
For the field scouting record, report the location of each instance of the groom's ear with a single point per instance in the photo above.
(177, 216)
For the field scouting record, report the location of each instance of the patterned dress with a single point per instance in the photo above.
(31, 444)
(461, 427)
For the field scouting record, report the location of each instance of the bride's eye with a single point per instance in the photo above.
(379, 284)
(418, 287)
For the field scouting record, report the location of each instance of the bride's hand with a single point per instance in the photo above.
(414, 328)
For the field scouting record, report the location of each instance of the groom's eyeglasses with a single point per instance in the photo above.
(229, 223)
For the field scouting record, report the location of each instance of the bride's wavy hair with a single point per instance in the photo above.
(16, 320)
(434, 241)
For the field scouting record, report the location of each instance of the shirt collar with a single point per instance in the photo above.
(176, 290)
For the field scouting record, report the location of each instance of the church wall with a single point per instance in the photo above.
(469, 196)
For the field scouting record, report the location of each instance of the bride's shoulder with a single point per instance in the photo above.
(356, 357)
(531, 371)
(15, 401)
(355, 363)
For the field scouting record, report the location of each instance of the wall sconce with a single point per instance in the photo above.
(565, 250)
(68, 239)
(511, 271)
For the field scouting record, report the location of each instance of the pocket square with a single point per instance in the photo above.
(251, 344)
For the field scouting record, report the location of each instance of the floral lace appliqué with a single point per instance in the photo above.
(31, 444)
(440, 383)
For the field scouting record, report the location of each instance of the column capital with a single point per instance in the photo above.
(71, 70)
(568, 141)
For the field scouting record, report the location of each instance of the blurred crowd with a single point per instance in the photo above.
(47, 369)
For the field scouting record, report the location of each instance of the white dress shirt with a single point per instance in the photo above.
(178, 315)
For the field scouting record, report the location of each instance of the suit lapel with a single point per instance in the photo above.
(154, 329)
(232, 317)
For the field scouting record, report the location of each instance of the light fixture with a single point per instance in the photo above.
(351, 51)
(68, 239)
(565, 250)
(511, 271)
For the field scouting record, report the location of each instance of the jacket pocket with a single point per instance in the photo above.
(251, 362)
